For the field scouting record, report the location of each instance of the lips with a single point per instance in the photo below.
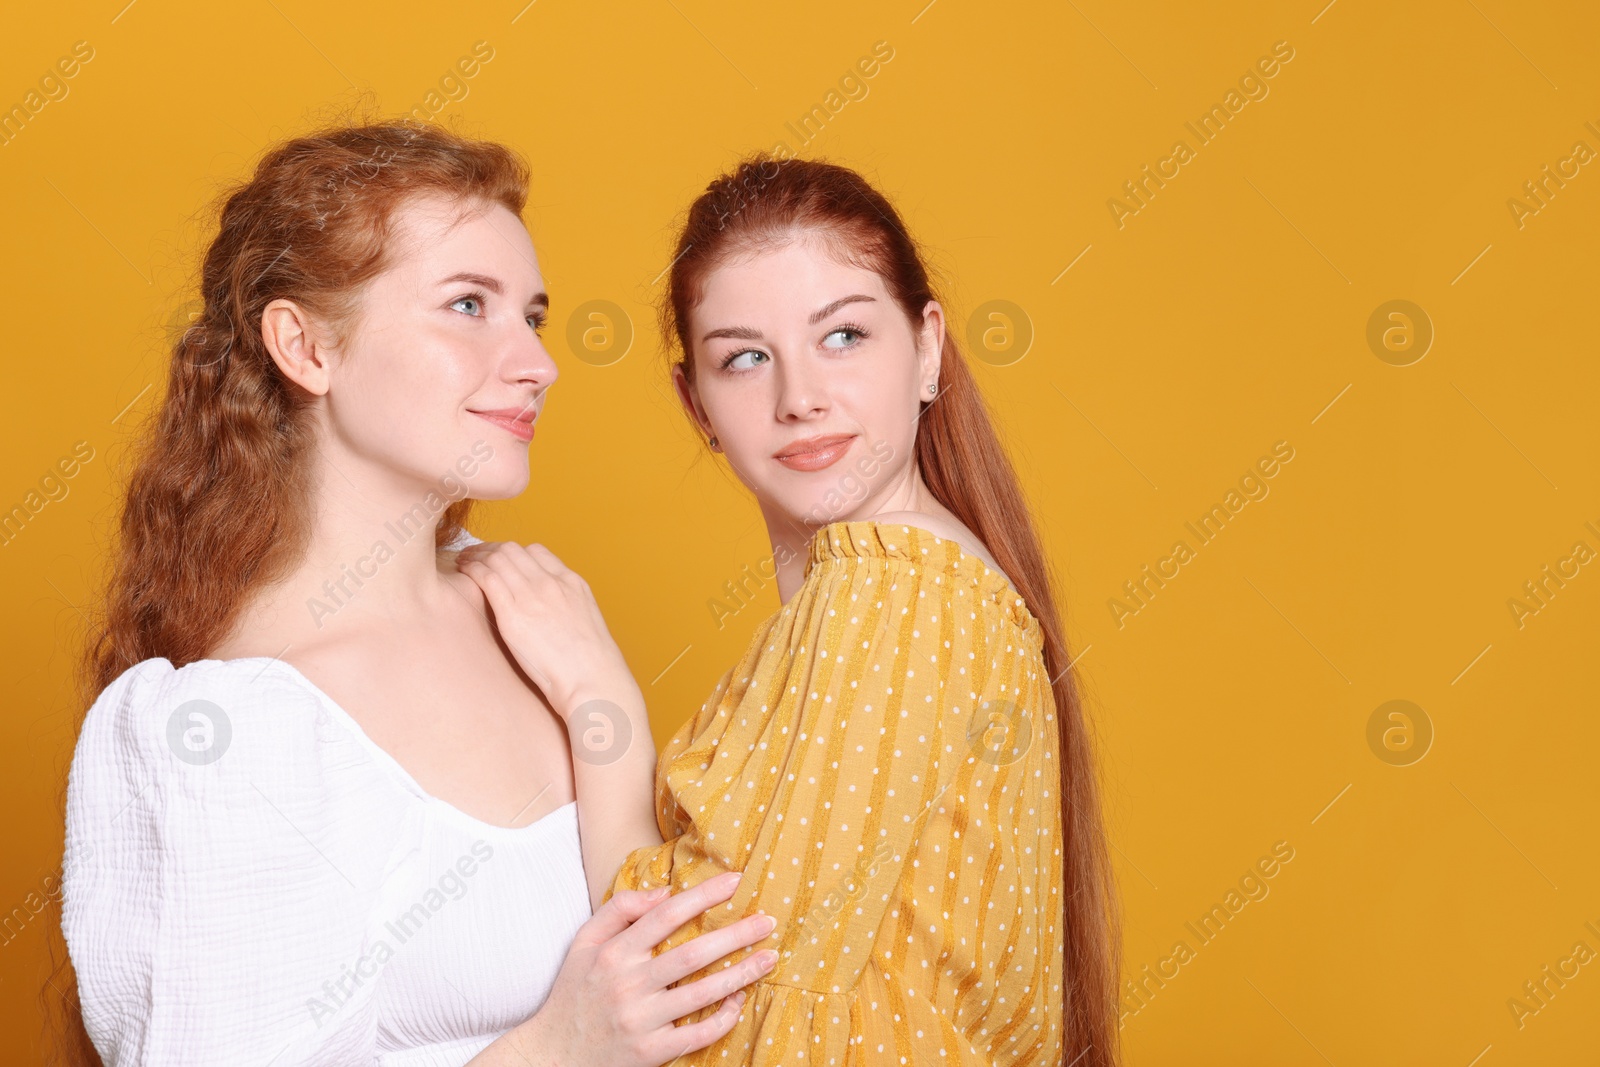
(516, 421)
(815, 453)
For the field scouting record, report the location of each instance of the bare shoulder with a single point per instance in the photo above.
(947, 527)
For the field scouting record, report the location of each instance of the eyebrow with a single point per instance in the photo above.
(492, 284)
(750, 333)
(837, 304)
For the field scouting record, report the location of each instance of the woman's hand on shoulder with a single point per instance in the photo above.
(548, 618)
(613, 1005)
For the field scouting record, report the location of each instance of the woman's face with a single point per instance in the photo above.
(811, 378)
(443, 372)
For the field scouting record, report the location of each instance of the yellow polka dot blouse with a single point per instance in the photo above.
(882, 766)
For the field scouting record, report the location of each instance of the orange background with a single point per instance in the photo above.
(1167, 355)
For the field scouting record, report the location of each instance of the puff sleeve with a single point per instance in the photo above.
(220, 871)
(829, 766)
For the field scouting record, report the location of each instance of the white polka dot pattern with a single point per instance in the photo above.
(882, 765)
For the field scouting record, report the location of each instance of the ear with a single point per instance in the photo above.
(689, 397)
(290, 335)
(930, 348)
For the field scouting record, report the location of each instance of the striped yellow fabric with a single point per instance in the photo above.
(882, 766)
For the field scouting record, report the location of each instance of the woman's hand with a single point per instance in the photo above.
(553, 628)
(549, 620)
(610, 1005)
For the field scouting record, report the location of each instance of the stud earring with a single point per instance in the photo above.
(713, 442)
(933, 388)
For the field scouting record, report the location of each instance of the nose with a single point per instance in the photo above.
(527, 361)
(802, 390)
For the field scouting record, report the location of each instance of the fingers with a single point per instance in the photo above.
(706, 949)
(661, 920)
(695, 1036)
(625, 908)
(491, 581)
(507, 557)
(546, 558)
(484, 551)
(552, 564)
(720, 983)
(534, 562)
(533, 553)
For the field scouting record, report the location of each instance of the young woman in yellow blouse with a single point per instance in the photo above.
(898, 764)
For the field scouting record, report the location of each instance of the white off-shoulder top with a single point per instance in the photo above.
(250, 879)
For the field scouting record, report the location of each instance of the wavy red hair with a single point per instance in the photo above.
(217, 504)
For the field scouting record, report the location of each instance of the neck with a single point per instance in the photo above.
(369, 564)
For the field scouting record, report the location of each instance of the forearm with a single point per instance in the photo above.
(514, 1048)
(614, 766)
(526, 1045)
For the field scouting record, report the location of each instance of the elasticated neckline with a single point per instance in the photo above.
(893, 540)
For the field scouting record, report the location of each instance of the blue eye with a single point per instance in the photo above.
(740, 355)
(855, 331)
(537, 320)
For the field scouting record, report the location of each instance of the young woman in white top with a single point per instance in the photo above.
(317, 814)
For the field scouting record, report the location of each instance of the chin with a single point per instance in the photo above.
(491, 471)
(498, 488)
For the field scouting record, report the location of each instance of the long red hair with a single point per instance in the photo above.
(767, 200)
(217, 504)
